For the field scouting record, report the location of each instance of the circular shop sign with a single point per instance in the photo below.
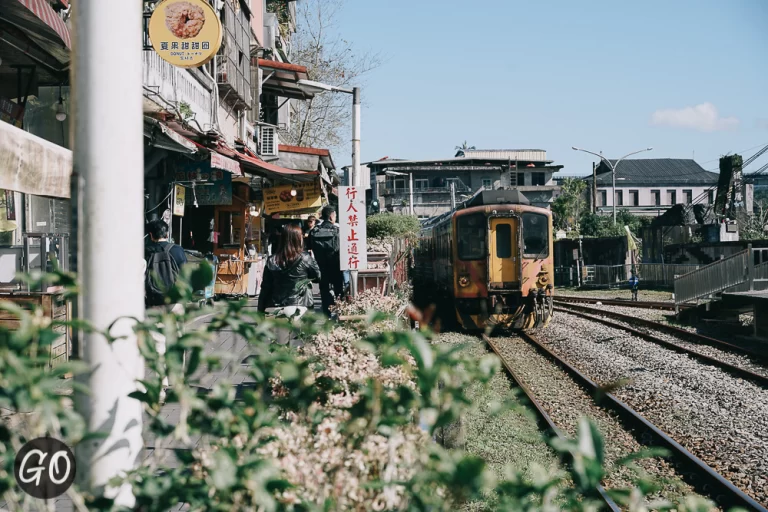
(185, 33)
(44, 468)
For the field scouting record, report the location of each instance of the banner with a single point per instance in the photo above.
(186, 33)
(280, 199)
(178, 200)
(227, 164)
(353, 233)
(212, 188)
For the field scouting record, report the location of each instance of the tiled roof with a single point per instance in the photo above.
(656, 171)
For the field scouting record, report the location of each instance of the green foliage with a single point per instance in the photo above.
(593, 225)
(222, 435)
(390, 225)
(567, 207)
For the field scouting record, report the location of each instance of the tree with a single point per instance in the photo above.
(755, 226)
(464, 147)
(317, 44)
(569, 204)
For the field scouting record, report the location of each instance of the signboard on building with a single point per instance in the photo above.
(178, 200)
(282, 198)
(11, 112)
(185, 33)
(353, 233)
(212, 186)
(227, 164)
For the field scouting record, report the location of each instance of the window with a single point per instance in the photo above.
(399, 185)
(538, 178)
(634, 198)
(503, 241)
(688, 196)
(619, 198)
(487, 184)
(671, 196)
(656, 197)
(420, 184)
(710, 196)
(520, 179)
(602, 198)
(471, 236)
(535, 235)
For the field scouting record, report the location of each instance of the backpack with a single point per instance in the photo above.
(325, 240)
(161, 274)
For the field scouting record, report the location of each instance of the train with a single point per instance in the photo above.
(487, 264)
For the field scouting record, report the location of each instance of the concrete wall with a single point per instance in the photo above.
(257, 20)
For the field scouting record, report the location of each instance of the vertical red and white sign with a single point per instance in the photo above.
(354, 245)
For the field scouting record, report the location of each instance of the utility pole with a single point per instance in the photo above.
(109, 157)
(410, 189)
(453, 196)
(356, 178)
(594, 187)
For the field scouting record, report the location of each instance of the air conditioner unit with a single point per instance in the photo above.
(268, 140)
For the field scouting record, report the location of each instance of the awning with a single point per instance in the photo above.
(164, 137)
(255, 165)
(282, 79)
(32, 165)
(27, 15)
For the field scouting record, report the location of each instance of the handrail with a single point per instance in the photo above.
(716, 277)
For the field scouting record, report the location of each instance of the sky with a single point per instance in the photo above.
(686, 77)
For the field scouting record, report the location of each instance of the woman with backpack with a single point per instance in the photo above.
(288, 274)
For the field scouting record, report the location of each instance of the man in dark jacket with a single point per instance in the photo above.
(325, 244)
(159, 244)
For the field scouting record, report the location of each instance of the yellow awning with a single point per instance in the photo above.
(32, 165)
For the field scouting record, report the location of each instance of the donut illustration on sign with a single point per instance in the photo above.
(299, 195)
(285, 196)
(184, 19)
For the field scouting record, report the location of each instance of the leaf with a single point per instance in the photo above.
(224, 473)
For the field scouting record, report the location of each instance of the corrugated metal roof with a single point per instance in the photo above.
(654, 171)
(533, 155)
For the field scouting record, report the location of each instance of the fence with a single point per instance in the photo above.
(614, 276)
(386, 269)
(737, 273)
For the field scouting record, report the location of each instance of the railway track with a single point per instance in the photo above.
(545, 420)
(758, 363)
(665, 306)
(702, 477)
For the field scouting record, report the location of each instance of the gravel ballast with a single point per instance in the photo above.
(721, 419)
(566, 402)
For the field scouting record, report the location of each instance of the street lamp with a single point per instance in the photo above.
(612, 167)
(318, 87)
(410, 185)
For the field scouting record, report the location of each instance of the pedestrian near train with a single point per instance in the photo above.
(634, 285)
(325, 244)
(288, 276)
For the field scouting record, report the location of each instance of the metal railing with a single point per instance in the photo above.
(390, 188)
(737, 273)
(615, 276)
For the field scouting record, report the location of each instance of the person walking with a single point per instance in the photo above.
(288, 274)
(308, 227)
(325, 244)
(634, 285)
(164, 262)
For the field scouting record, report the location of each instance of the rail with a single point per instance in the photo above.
(737, 273)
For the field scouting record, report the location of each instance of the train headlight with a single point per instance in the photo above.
(543, 281)
(464, 281)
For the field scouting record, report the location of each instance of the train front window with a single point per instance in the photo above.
(471, 236)
(503, 241)
(535, 235)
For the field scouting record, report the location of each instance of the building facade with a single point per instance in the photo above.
(469, 171)
(651, 186)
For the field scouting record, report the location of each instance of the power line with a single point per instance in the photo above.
(739, 152)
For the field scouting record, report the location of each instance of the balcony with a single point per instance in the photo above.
(390, 189)
(234, 87)
(167, 87)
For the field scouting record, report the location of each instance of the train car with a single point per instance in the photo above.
(488, 263)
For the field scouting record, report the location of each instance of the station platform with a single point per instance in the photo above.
(754, 301)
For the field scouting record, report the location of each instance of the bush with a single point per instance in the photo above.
(389, 225)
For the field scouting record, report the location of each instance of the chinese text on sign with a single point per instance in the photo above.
(354, 246)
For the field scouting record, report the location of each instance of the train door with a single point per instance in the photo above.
(503, 264)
